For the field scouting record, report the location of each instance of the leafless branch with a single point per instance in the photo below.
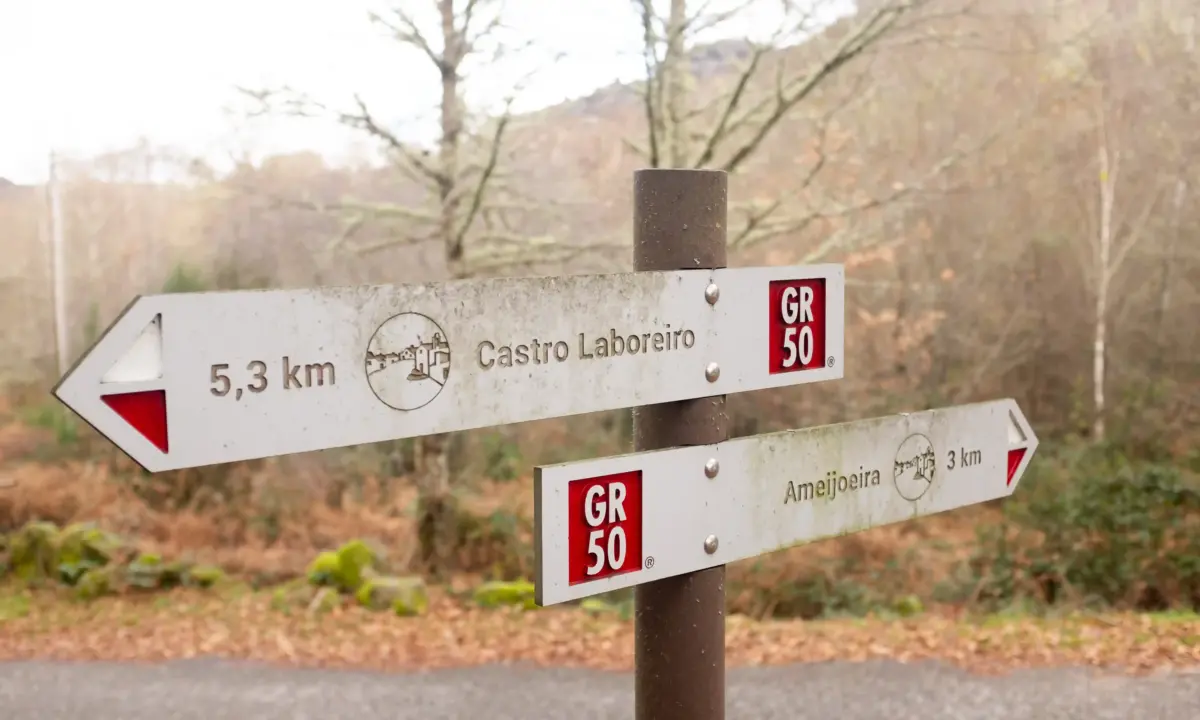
(651, 96)
(404, 28)
(537, 251)
(364, 120)
(735, 97)
(481, 185)
(767, 228)
(790, 94)
(1134, 234)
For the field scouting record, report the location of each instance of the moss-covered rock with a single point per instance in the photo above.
(404, 596)
(299, 595)
(147, 572)
(205, 576)
(345, 568)
(74, 556)
(909, 605)
(288, 595)
(596, 606)
(516, 593)
(86, 544)
(174, 574)
(70, 573)
(355, 561)
(96, 582)
(323, 570)
(33, 553)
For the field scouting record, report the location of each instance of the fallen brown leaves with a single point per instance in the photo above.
(188, 624)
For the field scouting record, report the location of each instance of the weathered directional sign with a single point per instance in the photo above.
(614, 522)
(185, 380)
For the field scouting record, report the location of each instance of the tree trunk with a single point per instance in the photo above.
(1163, 307)
(437, 516)
(1103, 277)
(1098, 353)
(675, 76)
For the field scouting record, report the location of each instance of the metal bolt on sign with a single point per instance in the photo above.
(712, 293)
(712, 372)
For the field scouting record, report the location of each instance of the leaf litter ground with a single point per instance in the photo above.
(244, 625)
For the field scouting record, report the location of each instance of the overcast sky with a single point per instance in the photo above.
(90, 76)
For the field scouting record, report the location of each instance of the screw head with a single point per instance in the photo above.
(712, 293)
(712, 372)
(712, 467)
(710, 544)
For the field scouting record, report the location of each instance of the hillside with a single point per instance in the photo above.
(950, 176)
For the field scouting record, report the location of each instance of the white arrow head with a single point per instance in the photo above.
(117, 386)
(1022, 444)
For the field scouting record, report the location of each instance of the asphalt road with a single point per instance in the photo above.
(219, 690)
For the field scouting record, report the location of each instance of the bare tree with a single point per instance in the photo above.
(467, 205)
(725, 122)
(1122, 212)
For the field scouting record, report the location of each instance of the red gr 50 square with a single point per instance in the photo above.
(604, 537)
(797, 325)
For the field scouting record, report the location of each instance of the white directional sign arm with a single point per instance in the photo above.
(201, 378)
(778, 490)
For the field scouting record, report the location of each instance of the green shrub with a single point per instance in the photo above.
(502, 458)
(33, 552)
(495, 544)
(184, 279)
(1089, 527)
(58, 420)
(205, 576)
(406, 597)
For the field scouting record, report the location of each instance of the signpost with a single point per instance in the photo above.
(679, 220)
(187, 380)
(616, 522)
(192, 379)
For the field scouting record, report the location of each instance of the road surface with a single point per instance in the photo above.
(220, 690)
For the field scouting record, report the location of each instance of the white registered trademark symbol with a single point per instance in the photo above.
(649, 562)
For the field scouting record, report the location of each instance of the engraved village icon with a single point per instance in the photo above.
(408, 361)
(915, 466)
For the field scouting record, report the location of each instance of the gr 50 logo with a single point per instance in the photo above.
(797, 325)
(604, 536)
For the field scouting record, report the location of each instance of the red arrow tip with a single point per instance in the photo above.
(146, 411)
(1014, 461)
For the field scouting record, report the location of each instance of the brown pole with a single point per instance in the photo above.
(679, 626)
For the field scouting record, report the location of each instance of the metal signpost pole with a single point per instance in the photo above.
(679, 224)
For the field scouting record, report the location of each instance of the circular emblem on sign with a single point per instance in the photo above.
(915, 466)
(408, 361)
